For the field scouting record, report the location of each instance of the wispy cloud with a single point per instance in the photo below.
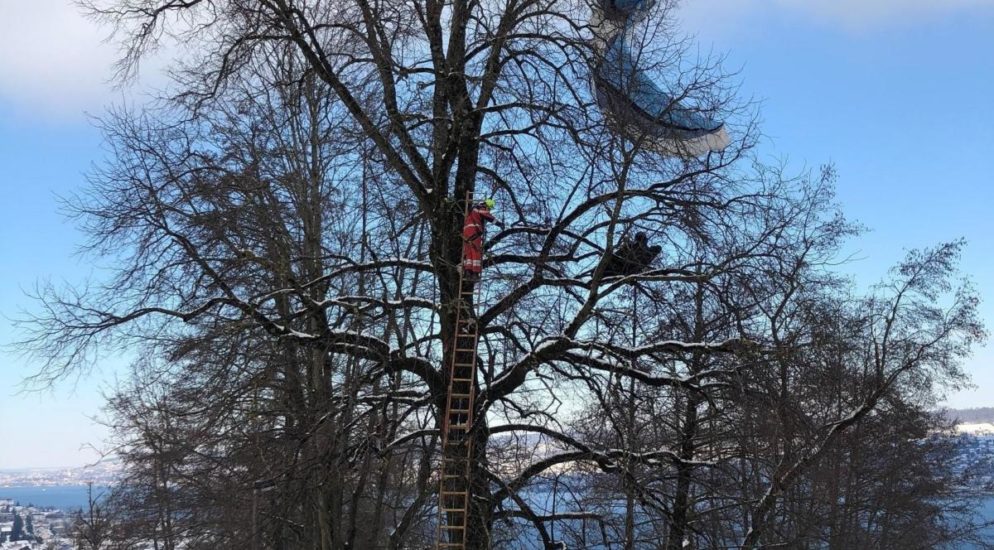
(848, 14)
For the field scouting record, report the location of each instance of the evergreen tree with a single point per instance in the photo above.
(16, 531)
(30, 527)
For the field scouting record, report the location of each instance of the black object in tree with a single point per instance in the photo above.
(632, 256)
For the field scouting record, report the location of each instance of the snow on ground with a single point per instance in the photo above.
(979, 428)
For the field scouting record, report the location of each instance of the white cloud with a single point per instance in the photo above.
(848, 14)
(859, 13)
(53, 60)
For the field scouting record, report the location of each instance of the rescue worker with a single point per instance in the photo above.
(472, 237)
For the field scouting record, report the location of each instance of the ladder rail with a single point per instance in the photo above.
(454, 503)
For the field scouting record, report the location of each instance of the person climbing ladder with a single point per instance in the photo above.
(457, 464)
(472, 237)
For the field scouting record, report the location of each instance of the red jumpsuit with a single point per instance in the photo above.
(472, 238)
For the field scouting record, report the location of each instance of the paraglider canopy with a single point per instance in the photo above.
(635, 105)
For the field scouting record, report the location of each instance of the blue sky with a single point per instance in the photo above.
(39, 158)
(897, 93)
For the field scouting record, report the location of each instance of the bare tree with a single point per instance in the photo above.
(92, 527)
(286, 233)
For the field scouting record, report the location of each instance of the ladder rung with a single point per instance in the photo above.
(459, 411)
(470, 350)
(461, 510)
(459, 426)
(462, 379)
(452, 527)
(460, 493)
(461, 395)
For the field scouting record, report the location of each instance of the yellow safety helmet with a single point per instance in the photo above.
(489, 203)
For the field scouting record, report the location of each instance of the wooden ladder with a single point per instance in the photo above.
(454, 490)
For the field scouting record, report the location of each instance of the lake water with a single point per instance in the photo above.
(63, 497)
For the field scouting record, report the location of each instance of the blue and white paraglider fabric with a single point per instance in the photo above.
(635, 106)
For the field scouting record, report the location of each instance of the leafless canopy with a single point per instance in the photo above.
(285, 229)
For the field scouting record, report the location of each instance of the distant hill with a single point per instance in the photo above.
(105, 472)
(970, 416)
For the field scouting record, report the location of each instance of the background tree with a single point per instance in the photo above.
(91, 526)
(17, 530)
